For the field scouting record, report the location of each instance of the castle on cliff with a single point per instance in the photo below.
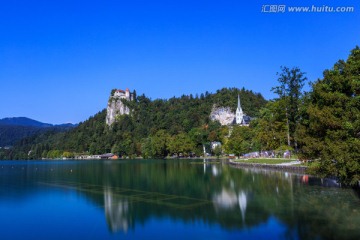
(116, 106)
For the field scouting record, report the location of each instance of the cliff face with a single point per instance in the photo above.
(222, 114)
(116, 106)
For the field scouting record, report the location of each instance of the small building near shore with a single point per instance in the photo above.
(107, 156)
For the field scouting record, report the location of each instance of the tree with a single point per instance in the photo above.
(68, 155)
(331, 124)
(270, 128)
(181, 143)
(240, 141)
(290, 93)
(213, 136)
(146, 148)
(159, 144)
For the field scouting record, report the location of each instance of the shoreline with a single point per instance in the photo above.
(288, 168)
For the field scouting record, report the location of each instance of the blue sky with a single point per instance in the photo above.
(60, 59)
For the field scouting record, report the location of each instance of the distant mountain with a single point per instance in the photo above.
(24, 121)
(14, 129)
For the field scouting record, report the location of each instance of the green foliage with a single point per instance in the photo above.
(54, 154)
(240, 140)
(68, 155)
(290, 95)
(112, 92)
(181, 143)
(160, 144)
(12, 134)
(331, 124)
(270, 128)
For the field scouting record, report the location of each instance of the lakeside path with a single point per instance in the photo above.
(289, 166)
(295, 162)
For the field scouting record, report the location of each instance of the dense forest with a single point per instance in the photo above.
(13, 130)
(10, 135)
(322, 125)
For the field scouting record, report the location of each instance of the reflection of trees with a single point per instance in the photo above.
(330, 214)
(233, 193)
(232, 198)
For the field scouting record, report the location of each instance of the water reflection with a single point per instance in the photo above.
(133, 193)
(242, 204)
(228, 199)
(116, 212)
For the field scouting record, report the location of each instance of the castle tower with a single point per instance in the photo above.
(239, 113)
(127, 94)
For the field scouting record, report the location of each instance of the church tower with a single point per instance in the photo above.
(239, 113)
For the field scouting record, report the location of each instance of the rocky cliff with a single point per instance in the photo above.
(116, 105)
(222, 114)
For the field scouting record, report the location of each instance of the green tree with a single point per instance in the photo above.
(146, 148)
(68, 155)
(181, 143)
(270, 128)
(159, 144)
(240, 141)
(290, 94)
(331, 124)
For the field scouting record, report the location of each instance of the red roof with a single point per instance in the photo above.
(119, 90)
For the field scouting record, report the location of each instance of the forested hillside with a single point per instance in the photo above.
(184, 120)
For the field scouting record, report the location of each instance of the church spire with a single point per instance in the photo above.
(239, 113)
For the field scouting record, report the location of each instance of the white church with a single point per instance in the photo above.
(240, 118)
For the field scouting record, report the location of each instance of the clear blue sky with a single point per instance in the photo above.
(59, 59)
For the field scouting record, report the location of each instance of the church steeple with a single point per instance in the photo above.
(239, 113)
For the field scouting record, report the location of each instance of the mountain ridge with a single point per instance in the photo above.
(25, 121)
(14, 129)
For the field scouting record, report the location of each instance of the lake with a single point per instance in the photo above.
(169, 199)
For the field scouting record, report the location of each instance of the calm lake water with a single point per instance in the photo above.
(169, 199)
